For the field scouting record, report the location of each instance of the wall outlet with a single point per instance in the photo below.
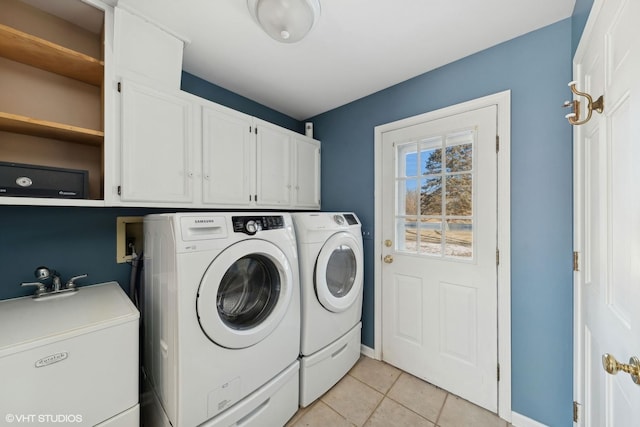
(129, 237)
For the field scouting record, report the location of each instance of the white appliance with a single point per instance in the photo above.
(70, 359)
(331, 281)
(221, 319)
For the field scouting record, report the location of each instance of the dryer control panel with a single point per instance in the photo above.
(252, 224)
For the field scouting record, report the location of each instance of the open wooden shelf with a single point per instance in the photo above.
(27, 49)
(46, 129)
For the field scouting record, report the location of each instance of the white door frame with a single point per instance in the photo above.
(503, 101)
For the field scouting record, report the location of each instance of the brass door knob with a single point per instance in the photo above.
(388, 259)
(612, 366)
(388, 243)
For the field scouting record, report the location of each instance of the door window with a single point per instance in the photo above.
(248, 292)
(434, 207)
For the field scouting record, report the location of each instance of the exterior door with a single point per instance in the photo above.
(439, 275)
(607, 215)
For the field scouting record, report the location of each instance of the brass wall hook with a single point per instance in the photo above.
(574, 116)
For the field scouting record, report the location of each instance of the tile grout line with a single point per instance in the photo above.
(333, 410)
(383, 394)
(442, 408)
(386, 395)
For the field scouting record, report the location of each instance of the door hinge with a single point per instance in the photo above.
(119, 190)
(256, 129)
(576, 261)
(576, 411)
(498, 373)
(497, 256)
(119, 87)
(497, 143)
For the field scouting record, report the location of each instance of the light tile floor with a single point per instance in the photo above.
(375, 394)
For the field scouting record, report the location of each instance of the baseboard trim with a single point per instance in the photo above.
(519, 420)
(367, 351)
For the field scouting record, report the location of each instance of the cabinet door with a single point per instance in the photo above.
(156, 146)
(306, 190)
(145, 52)
(228, 155)
(273, 179)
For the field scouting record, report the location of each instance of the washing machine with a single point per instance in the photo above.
(221, 319)
(331, 281)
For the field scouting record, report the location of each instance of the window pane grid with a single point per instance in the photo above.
(434, 188)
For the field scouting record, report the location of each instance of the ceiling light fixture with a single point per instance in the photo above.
(287, 21)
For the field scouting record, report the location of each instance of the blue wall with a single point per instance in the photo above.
(217, 94)
(578, 20)
(70, 240)
(536, 68)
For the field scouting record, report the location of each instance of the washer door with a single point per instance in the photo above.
(244, 294)
(338, 275)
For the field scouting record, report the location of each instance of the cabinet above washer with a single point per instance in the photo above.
(180, 150)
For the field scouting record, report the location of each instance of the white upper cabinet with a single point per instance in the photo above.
(228, 157)
(251, 163)
(156, 146)
(273, 154)
(306, 172)
(146, 52)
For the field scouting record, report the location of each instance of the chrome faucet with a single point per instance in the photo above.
(43, 273)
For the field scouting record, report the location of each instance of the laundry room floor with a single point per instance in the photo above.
(374, 393)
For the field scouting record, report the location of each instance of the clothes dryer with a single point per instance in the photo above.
(221, 318)
(331, 281)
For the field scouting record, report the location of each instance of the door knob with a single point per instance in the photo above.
(388, 259)
(612, 366)
(388, 243)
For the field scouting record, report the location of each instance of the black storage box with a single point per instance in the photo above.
(42, 181)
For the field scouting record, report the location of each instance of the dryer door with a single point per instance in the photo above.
(245, 293)
(338, 275)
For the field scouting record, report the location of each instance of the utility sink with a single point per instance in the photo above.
(79, 349)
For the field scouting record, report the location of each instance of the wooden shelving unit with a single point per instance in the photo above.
(30, 126)
(31, 121)
(28, 49)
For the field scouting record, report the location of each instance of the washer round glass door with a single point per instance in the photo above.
(244, 294)
(338, 275)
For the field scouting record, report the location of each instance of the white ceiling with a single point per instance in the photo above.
(358, 47)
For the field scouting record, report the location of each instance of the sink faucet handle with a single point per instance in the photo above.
(40, 287)
(71, 282)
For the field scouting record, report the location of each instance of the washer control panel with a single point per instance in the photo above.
(252, 224)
